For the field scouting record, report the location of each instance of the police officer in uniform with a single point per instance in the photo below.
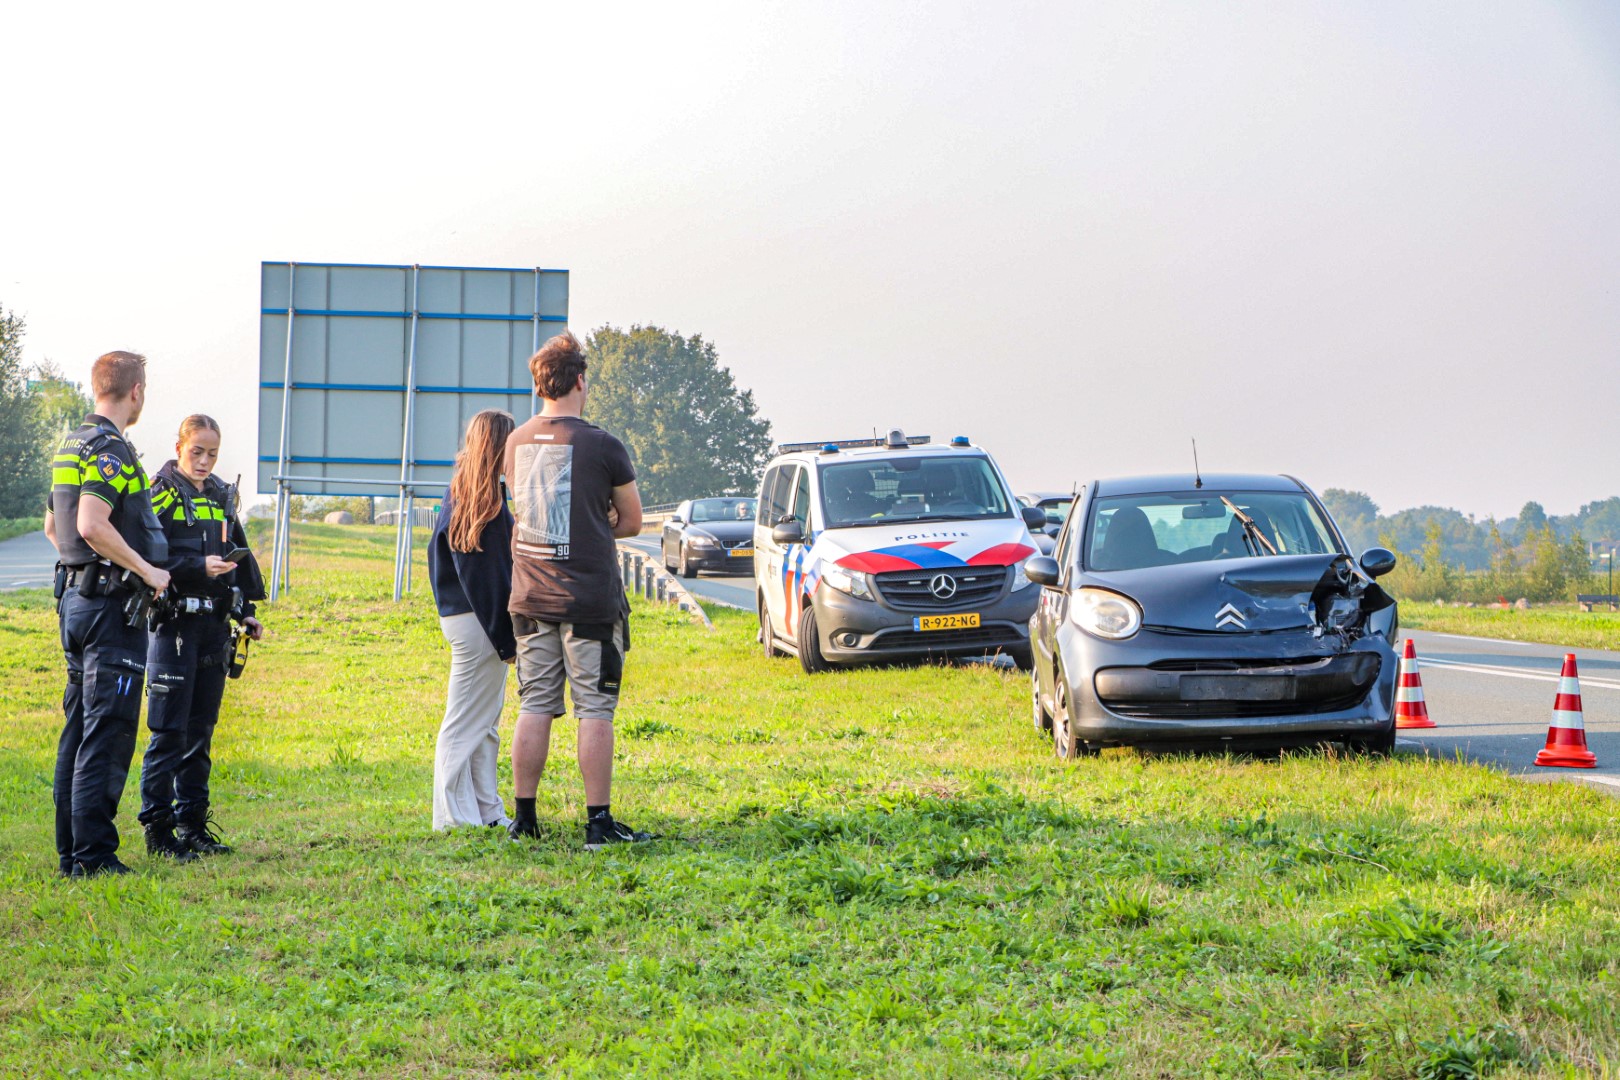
(110, 547)
(190, 651)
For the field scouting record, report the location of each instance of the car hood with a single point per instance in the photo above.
(722, 530)
(927, 545)
(1223, 596)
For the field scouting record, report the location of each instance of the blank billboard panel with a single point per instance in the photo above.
(376, 348)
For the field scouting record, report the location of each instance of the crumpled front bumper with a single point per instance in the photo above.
(1192, 688)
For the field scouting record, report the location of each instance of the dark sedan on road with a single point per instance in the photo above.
(710, 534)
(1179, 611)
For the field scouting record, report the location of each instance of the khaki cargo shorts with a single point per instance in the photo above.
(589, 657)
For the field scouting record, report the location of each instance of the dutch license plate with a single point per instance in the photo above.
(741, 552)
(946, 622)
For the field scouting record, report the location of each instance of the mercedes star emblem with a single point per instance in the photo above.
(943, 586)
(1230, 616)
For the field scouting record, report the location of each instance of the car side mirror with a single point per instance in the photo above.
(1042, 570)
(1377, 561)
(1034, 517)
(676, 519)
(790, 531)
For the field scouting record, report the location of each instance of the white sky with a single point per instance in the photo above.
(1376, 245)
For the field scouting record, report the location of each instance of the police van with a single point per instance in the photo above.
(891, 548)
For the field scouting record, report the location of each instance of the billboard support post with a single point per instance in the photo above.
(283, 530)
(405, 527)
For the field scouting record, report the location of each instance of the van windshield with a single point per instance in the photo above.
(1129, 532)
(911, 489)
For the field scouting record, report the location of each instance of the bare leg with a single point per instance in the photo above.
(595, 760)
(531, 739)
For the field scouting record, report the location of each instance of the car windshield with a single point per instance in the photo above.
(722, 510)
(1130, 532)
(912, 489)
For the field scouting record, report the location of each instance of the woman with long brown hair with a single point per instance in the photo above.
(470, 563)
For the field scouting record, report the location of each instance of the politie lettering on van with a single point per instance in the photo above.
(891, 548)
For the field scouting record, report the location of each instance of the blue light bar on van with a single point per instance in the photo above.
(844, 444)
(961, 440)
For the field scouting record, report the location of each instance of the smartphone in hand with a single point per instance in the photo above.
(236, 555)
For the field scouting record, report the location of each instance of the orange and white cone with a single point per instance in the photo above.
(1566, 738)
(1410, 710)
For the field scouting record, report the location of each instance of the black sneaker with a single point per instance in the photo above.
(200, 836)
(110, 865)
(160, 841)
(602, 830)
(523, 830)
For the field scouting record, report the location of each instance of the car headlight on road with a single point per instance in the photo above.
(849, 581)
(1020, 579)
(1106, 614)
(699, 540)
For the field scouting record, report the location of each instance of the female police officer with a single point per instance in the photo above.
(213, 574)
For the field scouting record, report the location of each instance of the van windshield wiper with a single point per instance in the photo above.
(1249, 526)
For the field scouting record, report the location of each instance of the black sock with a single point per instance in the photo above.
(592, 811)
(525, 809)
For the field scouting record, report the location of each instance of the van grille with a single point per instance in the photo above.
(909, 589)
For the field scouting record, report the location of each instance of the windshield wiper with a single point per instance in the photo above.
(1249, 526)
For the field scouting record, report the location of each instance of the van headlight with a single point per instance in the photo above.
(1107, 614)
(1020, 579)
(853, 582)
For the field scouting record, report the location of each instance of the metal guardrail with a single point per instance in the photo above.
(646, 576)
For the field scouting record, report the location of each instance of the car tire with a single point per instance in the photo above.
(1042, 718)
(1023, 657)
(1379, 745)
(687, 570)
(809, 643)
(1064, 743)
(767, 640)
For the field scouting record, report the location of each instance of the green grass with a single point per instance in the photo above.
(1548, 626)
(12, 527)
(876, 872)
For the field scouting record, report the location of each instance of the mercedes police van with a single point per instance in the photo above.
(889, 548)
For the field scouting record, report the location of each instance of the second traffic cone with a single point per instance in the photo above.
(1410, 710)
(1566, 737)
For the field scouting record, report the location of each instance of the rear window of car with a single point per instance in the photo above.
(914, 488)
(1129, 532)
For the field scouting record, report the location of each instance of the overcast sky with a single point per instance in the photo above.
(1375, 245)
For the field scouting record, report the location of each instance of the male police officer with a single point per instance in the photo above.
(108, 542)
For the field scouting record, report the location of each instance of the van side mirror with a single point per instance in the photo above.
(1377, 561)
(1034, 517)
(790, 531)
(1042, 570)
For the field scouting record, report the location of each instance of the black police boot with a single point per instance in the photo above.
(160, 841)
(198, 834)
(110, 865)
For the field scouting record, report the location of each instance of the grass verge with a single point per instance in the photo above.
(1547, 626)
(14, 527)
(875, 872)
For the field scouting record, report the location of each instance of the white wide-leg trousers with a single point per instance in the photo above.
(469, 748)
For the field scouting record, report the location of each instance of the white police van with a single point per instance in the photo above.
(889, 548)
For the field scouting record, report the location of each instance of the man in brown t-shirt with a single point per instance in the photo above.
(573, 491)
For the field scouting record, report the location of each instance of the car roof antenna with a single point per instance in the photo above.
(1198, 477)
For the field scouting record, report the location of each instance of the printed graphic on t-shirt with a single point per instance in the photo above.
(543, 496)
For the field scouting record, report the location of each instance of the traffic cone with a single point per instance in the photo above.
(1410, 711)
(1566, 738)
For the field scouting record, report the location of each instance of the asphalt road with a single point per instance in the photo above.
(25, 561)
(736, 590)
(1492, 701)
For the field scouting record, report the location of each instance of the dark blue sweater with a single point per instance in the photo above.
(475, 581)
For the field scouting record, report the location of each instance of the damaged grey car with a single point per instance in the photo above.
(1226, 611)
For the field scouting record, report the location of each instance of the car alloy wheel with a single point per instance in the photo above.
(767, 640)
(687, 569)
(1063, 741)
(1042, 718)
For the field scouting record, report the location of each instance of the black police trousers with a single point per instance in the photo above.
(186, 662)
(106, 662)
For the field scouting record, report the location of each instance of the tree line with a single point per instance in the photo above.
(37, 407)
(1446, 555)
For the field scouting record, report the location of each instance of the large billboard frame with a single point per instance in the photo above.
(375, 380)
